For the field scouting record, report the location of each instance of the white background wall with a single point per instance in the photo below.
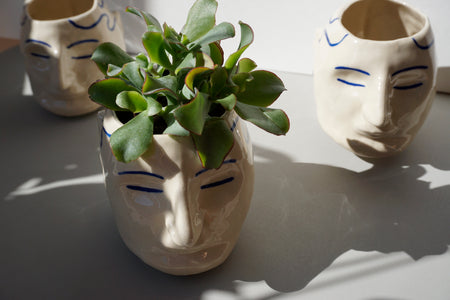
(284, 29)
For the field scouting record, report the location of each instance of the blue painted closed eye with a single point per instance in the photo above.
(144, 189)
(80, 42)
(36, 54)
(217, 183)
(352, 70)
(350, 83)
(409, 86)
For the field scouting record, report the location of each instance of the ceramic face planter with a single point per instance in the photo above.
(57, 40)
(374, 76)
(176, 216)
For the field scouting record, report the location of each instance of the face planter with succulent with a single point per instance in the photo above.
(176, 154)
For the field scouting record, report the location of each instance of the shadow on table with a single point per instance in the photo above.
(304, 216)
(61, 243)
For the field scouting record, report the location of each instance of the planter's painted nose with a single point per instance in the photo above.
(184, 222)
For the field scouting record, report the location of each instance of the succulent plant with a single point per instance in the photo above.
(183, 86)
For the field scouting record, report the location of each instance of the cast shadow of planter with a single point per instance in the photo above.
(304, 216)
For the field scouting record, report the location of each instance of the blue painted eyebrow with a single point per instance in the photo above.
(82, 42)
(230, 161)
(141, 173)
(423, 47)
(352, 69)
(337, 43)
(37, 42)
(144, 189)
(409, 69)
(217, 183)
(331, 21)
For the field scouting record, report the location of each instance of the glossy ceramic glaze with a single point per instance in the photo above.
(57, 40)
(176, 216)
(374, 76)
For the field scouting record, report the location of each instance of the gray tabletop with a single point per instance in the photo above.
(323, 224)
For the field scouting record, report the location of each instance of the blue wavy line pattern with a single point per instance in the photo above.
(423, 47)
(337, 43)
(110, 28)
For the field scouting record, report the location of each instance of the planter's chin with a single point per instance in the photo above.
(176, 216)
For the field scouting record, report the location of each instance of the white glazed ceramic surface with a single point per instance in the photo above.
(57, 40)
(374, 76)
(176, 216)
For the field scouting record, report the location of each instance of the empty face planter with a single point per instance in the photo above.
(176, 216)
(57, 40)
(374, 76)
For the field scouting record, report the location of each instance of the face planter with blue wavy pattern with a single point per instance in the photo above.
(57, 40)
(374, 76)
(171, 212)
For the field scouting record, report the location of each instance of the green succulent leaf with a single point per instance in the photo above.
(190, 77)
(217, 33)
(165, 85)
(104, 92)
(246, 65)
(246, 40)
(113, 71)
(174, 127)
(227, 102)
(218, 80)
(201, 19)
(155, 46)
(142, 60)
(241, 80)
(204, 60)
(154, 107)
(188, 62)
(215, 143)
(193, 114)
(132, 71)
(262, 90)
(216, 53)
(132, 101)
(271, 120)
(148, 18)
(109, 53)
(132, 139)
